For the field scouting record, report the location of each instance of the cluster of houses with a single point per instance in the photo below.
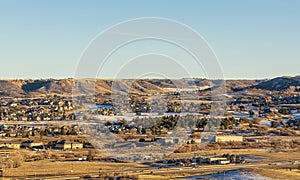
(196, 161)
(262, 105)
(55, 108)
(49, 108)
(32, 130)
(34, 145)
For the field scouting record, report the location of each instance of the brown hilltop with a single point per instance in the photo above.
(30, 87)
(279, 83)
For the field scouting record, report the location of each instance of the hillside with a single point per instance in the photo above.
(279, 83)
(29, 87)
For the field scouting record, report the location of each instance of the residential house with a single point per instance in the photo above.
(64, 144)
(12, 145)
(31, 143)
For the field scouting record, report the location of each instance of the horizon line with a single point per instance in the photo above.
(110, 78)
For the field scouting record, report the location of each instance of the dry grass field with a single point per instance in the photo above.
(46, 168)
(278, 173)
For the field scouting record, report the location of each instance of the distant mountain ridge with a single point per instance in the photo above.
(21, 88)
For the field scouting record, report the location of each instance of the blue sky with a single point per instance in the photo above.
(252, 39)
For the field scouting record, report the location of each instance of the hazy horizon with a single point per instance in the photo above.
(106, 78)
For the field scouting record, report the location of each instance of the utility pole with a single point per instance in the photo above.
(2, 173)
(72, 171)
(100, 172)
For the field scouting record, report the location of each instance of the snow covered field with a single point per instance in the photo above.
(233, 175)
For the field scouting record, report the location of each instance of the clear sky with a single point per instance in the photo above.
(252, 39)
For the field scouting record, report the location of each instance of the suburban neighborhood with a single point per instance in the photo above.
(59, 129)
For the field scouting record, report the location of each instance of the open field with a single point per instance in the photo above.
(278, 173)
(70, 169)
(47, 169)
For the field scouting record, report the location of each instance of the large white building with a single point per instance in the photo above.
(228, 138)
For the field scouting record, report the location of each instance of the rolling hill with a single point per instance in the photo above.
(29, 87)
(279, 83)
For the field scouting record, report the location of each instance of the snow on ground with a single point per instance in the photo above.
(265, 122)
(233, 175)
(297, 115)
